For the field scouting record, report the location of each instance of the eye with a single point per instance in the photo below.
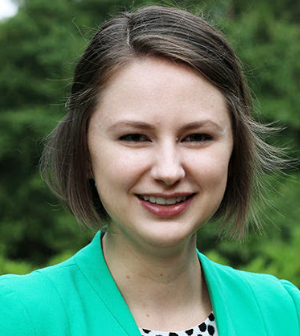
(198, 137)
(134, 138)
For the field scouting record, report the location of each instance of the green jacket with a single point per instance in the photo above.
(80, 298)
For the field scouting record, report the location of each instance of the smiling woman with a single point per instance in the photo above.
(159, 139)
(197, 46)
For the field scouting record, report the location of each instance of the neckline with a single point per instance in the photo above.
(209, 324)
(91, 262)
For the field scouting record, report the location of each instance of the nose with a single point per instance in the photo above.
(168, 167)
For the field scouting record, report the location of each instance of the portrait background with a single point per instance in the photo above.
(40, 46)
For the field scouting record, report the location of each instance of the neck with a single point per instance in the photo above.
(159, 286)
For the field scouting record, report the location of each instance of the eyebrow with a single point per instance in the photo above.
(132, 124)
(147, 126)
(202, 123)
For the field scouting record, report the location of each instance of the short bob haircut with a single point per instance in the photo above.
(182, 38)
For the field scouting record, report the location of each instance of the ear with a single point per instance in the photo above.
(229, 174)
(89, 169)
(90, 173)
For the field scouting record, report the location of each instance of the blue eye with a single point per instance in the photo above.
(198, 137)
(134, 138)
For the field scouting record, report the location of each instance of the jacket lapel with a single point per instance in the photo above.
(232, 300)
(235, 307)
(92, 263)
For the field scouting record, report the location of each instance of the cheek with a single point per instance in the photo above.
(115, 168)
(212, 170)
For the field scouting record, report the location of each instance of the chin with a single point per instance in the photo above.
(170, 237)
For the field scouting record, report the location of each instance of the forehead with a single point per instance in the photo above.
(155, 86)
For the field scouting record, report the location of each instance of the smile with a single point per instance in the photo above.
(166, 206)
(162, 200)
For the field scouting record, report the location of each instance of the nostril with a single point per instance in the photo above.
(168, 175)
(167, 167)
(169, 178)
(169, 182)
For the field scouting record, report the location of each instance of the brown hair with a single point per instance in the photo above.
(181, 37)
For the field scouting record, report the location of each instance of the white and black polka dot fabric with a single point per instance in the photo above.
(206, 328)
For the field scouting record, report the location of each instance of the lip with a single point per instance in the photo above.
(169, 210)
(178, 194)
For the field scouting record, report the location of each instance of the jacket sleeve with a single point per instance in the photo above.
(294, 292)
(14, 319)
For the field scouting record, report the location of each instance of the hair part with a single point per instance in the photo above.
(180, 37)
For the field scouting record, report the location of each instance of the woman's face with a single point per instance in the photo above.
(160, 142)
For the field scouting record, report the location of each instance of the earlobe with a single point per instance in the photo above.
(89, 167)
(90, 172)
(231, 164)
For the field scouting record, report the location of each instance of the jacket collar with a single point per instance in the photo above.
(91, 262)
(233, 303)
(235, 307)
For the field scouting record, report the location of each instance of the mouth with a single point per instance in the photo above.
(168, 201)
(166, 207)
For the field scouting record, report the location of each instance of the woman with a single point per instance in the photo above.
(158, 140)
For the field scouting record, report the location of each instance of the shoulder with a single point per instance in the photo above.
(265, 291)
(264, 284)
(42, 280)
(25, 298)
(271, 289)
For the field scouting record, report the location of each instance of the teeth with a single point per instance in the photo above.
(171, 200)
(160, 200)
(163, 201)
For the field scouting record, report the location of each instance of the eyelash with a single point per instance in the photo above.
(135, 137)
(196, 137)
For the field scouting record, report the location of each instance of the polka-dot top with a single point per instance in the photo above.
(206, 328)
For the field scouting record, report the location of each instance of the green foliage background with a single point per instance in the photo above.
(39, 49)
